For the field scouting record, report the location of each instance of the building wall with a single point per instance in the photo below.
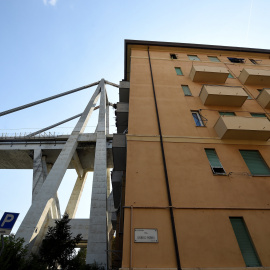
(202, 202)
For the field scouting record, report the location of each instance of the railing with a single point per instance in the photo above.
(25, 135)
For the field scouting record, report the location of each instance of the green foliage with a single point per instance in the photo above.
(13, 255)
(80, 258)
(57, 250)
(34, 263)
(58, 246)
(92, 266)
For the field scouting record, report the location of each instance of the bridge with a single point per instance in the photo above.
(50, 155)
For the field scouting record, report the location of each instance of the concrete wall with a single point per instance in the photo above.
(202, 202)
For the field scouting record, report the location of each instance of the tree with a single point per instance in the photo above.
(58, 246)
(57, 249)
(13, 255)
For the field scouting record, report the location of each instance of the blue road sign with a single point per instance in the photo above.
(7, 222)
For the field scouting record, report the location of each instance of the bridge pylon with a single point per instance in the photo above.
(83, 152)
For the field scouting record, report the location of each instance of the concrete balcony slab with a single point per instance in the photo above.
(223, 95)
(250, 76)
(122, 116)
(264, 98)
(243, 128)
(208, 74)
(124, 91)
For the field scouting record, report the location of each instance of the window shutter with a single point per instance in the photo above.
(227, 113)
(213, 59)
(258, 115)
(213, 158)
(193, 57)
(244, 241)
(186, 90)
(178, 71)
(255, 162)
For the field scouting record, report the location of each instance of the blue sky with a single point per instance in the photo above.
(51, 46)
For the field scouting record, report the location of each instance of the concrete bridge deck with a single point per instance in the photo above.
(18, 152)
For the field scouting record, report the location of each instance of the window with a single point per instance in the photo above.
(186, 90)
(194, 57)
(213, 59)
(227, 113)
(249, 97)
(214, 162)
(236, 60)
(244, 241)
(260, 91)
(173, 56)
(230, 76)
(253, 61)
(255, 162)
(178, 71)
(197, 118)
(257, 114)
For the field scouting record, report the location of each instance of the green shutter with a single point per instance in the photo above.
(230, 76)
(178, 71)
(193, 57)
(213, 158)
(244, 241)
(257, 114)
(213, 59)
(255, 162)
(227, 113)
(186, 90)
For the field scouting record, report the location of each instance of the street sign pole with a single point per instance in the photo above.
(6, 224)
(2, 241)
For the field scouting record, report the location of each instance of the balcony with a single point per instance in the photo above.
(117, 187)
(119, 150)
(243, 128)
(206, 74)
(121, 116)
(223, 95)
(124, 91)
(264, 98)
(255, 77)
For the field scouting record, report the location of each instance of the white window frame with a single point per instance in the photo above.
(199, 118)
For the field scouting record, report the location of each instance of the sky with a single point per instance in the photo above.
(51, 46)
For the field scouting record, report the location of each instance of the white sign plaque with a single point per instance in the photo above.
(146, 236)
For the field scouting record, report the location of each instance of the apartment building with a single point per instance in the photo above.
(191, 180)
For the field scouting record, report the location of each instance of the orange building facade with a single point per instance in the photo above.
(196, 188)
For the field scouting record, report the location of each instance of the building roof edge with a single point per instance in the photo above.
(185, 45)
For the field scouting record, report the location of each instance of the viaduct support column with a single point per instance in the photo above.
(36, 215)
(75, 196)
(39, 172)
(97, 237)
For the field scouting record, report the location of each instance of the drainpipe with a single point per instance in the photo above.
(165, 171)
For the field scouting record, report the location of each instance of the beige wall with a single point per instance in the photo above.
(202, 202)
(205, 238)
